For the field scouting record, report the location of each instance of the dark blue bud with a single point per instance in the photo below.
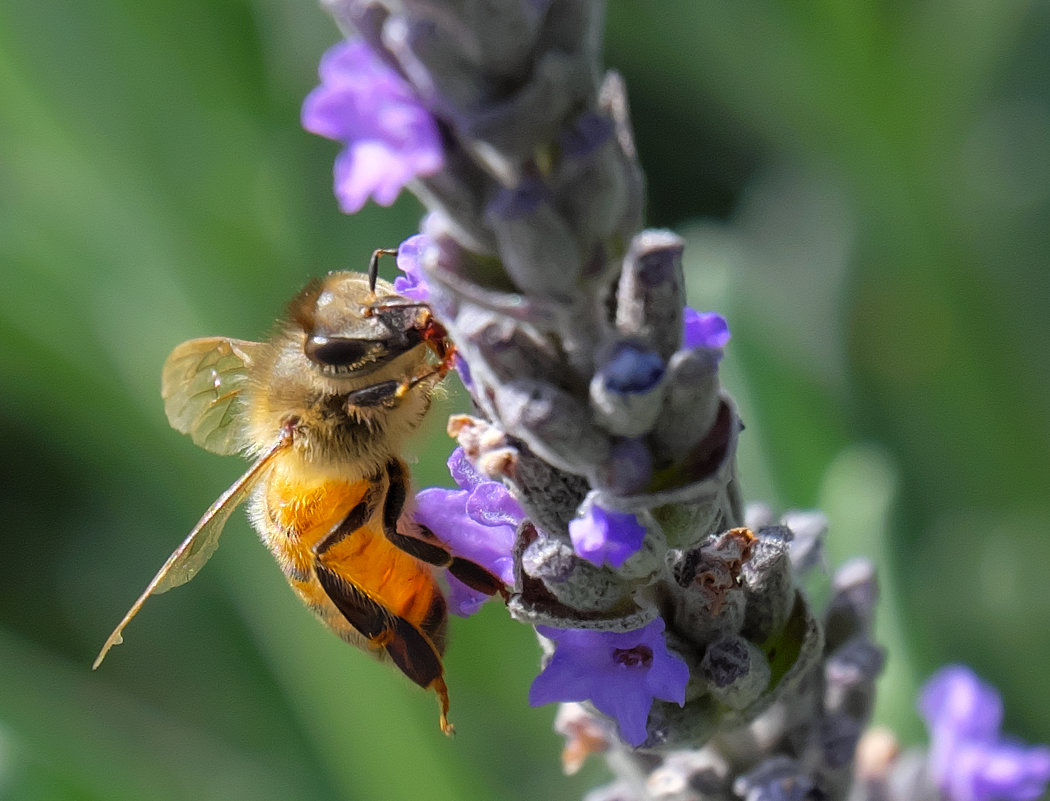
(632, 369)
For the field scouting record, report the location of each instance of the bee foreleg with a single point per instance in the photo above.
(389, 393)
(478, 578)
(385, 393)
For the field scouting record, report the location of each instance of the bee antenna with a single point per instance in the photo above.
(373, 265)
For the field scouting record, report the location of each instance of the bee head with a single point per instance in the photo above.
(348, 328)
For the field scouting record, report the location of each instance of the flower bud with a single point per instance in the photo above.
(536, 245)
(851, 610)
(779, 778)
(627, 389)
(690, 404)
(554, 424)
(768, 577)
(689, 776)
(737, 672)
(849, 678)
(651, 292)
(591, 184)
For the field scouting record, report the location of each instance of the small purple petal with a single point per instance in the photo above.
(462, 600)
(1014, 772)
(478, 522)
(969, 760)
(389, 136)
(462, 471)
(464, 371)
(704, 329)
(602, 536)
(955, 698)
(619, 672)
(413, 283)
(444, 512)
(492, 504)
(441, 510)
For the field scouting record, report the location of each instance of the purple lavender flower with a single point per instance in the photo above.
(621, 673)
(602, 536)
(969, 759)
(704, 329)
(390, 137)
(413, 284)
(477, 522)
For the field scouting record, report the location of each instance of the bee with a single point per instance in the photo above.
(323, 407)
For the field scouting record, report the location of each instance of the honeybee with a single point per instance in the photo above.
(324, 407)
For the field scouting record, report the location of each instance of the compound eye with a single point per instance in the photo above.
(338, 352)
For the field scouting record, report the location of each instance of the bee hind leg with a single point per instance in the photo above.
(439, 687)
(414, 653)
(431, 551)
(478, 578)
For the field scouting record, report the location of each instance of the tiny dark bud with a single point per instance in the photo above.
(726, 661)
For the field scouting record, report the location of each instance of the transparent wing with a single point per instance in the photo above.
(200, 384)
(197, 548)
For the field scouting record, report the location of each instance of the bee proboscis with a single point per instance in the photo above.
(323, 407)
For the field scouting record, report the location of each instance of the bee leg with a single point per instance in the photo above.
(389, 393)
(470, 573)
(410, 649)
(439, 687)
(384, 393)
(478, 578)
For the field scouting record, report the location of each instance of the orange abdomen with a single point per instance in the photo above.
(299, 515)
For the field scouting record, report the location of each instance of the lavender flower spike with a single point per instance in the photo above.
(598, 405)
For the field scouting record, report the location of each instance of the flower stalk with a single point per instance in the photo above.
(597, 472)
(598, 406)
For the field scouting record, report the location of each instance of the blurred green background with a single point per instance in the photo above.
(865, 191)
